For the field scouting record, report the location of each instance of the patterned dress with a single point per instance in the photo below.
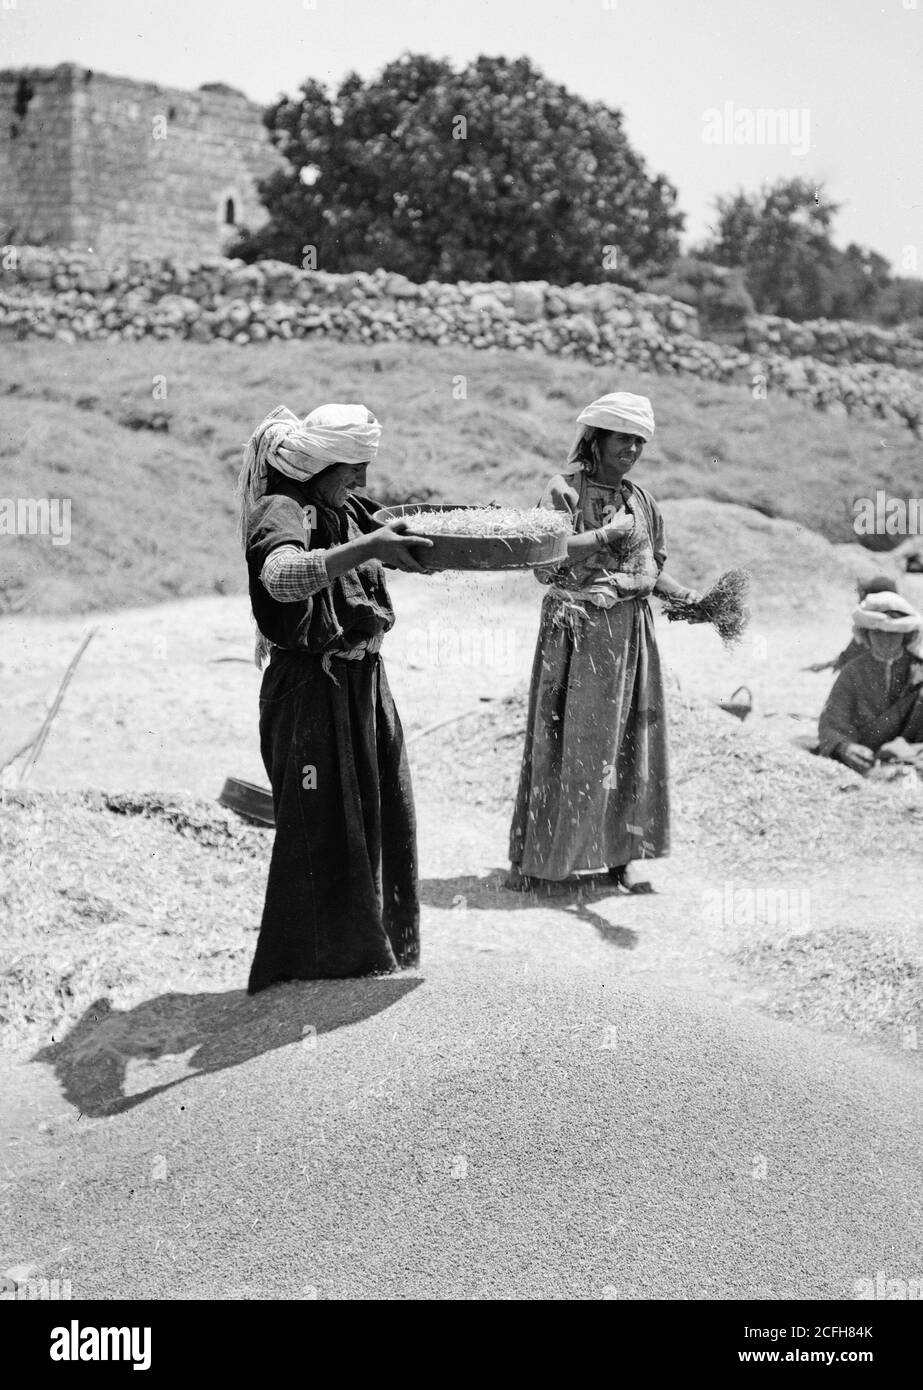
(593, 788)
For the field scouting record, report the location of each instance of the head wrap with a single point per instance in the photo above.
(621, 411)
(301, 448)
(885, 612)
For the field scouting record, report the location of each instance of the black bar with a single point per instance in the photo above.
(686, 1337)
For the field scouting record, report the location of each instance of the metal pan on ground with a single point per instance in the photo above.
(248, 800)
(479, 552)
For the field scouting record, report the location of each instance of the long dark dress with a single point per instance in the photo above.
(593, 789)
(341, 899)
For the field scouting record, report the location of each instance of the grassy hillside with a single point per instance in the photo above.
(150, 480)
(794, 572)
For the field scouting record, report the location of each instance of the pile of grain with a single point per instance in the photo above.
(741, 799)
(842, 978)
(120, 897)
(129, 897)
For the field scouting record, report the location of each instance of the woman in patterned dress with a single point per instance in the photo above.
(593, 790)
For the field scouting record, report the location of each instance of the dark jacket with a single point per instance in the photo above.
(355, 606)
(873, 702)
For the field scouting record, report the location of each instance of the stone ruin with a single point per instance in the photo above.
(119, 167)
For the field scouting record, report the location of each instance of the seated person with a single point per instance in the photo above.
(876, 705)
(880, 584)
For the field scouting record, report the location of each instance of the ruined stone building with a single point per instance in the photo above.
(126, 167)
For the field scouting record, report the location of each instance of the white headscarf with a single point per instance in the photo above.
(300, 448)
(886, 612)
(621, 411)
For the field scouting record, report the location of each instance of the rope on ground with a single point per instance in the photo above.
(43, 732)
(441, 723)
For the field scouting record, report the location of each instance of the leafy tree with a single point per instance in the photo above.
(493, 172)
(781, 239)
(860, 276)
(901, 302)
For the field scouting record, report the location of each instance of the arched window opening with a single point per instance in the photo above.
(24, 94)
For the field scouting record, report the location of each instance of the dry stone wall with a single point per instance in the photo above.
(68, 296)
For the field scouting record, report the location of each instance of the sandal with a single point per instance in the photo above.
(623, 875)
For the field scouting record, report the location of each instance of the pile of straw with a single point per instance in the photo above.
(503, 523)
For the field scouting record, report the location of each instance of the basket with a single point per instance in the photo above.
(479, 552)
(739, 708)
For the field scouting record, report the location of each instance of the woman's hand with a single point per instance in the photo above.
(899, 750)
(856, 756)
(394, 546)
(668, 587)
(619, 526)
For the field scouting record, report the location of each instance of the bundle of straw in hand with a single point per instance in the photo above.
(723, 606)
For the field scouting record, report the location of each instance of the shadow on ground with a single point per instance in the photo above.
(112, 1060)
(468, 892)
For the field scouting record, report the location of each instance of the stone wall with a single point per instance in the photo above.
(831, 340)
(36, 150)
(66, 296)
(127, 167)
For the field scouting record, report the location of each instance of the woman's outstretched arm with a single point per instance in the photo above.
(290, 574)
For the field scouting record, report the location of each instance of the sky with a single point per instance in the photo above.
(686, 74)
